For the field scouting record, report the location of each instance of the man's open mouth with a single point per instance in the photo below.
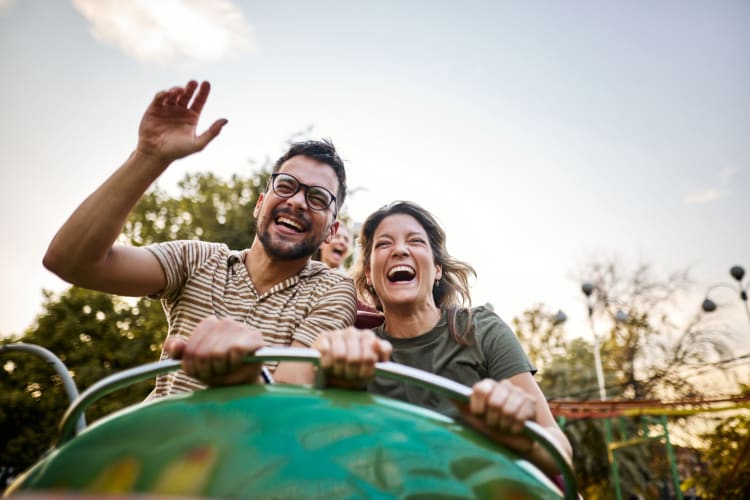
(290, 223)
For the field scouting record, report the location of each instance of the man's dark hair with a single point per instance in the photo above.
(325, 152)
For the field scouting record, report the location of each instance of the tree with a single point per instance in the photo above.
(726, 457)
(542, 335)
(647, 337)
(207, 208)
(644, 340)
(95, 335)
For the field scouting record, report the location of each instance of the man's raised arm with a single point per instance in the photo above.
(83, 251)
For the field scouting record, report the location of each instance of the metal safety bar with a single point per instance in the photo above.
(56, 363)
(441, 385)
(131, 376)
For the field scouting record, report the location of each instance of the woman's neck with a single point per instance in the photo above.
(408, 322)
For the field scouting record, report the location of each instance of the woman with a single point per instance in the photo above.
(405, 270)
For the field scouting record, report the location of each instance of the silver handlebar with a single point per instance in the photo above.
(441, 385)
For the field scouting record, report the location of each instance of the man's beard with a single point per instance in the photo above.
(282, 250)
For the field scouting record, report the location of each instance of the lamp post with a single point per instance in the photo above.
(736, 272)
(588, 289)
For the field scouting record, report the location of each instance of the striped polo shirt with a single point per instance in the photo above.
(210, 279)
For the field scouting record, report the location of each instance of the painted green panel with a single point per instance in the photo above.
(285, 442)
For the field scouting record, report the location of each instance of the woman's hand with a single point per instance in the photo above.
(499, 409)
(348, 356)
(502, 405)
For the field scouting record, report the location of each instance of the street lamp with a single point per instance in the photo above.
(736, 272)
(588, 289)
(560, 318)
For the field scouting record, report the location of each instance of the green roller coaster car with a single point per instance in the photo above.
(282, 441)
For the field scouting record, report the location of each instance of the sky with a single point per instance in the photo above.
(541, 134)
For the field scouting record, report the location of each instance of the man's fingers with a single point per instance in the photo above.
(236, 359)
(216, 351)
(173, 95)
(338, 353)
(219, 365)
(175, 346)
(160, 97)
(202, 140)
(187, 93)
(323, 345)
(201, 97)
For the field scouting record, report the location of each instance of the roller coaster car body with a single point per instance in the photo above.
(280, 441)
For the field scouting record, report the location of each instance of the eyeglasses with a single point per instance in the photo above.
(317, 197)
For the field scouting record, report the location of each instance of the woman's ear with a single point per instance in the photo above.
(438, 271)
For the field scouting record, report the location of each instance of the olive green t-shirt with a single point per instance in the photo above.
(493, 352)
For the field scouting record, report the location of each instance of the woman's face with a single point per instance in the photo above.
(333, 254)
(402, 268)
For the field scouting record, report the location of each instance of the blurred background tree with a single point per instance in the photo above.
(95, 334)
(647, 345)
(725, 457)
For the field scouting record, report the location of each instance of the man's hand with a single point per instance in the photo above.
(215, 352)
(348, 356)
(167, 131)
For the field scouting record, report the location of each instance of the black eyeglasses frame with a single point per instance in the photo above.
(306, 187)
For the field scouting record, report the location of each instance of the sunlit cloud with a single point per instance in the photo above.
(713, 193)
(169, 31)
(5, 5)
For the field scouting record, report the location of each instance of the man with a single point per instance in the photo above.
(269, 294)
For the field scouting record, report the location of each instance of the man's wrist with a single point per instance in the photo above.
(155, 165)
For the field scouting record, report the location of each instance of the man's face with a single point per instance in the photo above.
(287, 227)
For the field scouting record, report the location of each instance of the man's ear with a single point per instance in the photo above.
(258, 205)
(331, 231)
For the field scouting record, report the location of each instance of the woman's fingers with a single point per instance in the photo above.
(502, 405)
(351, 353)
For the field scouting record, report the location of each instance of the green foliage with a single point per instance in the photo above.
(726, 457)
(541, 334)
(207, 208)
(95, 335)
(641, 353)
